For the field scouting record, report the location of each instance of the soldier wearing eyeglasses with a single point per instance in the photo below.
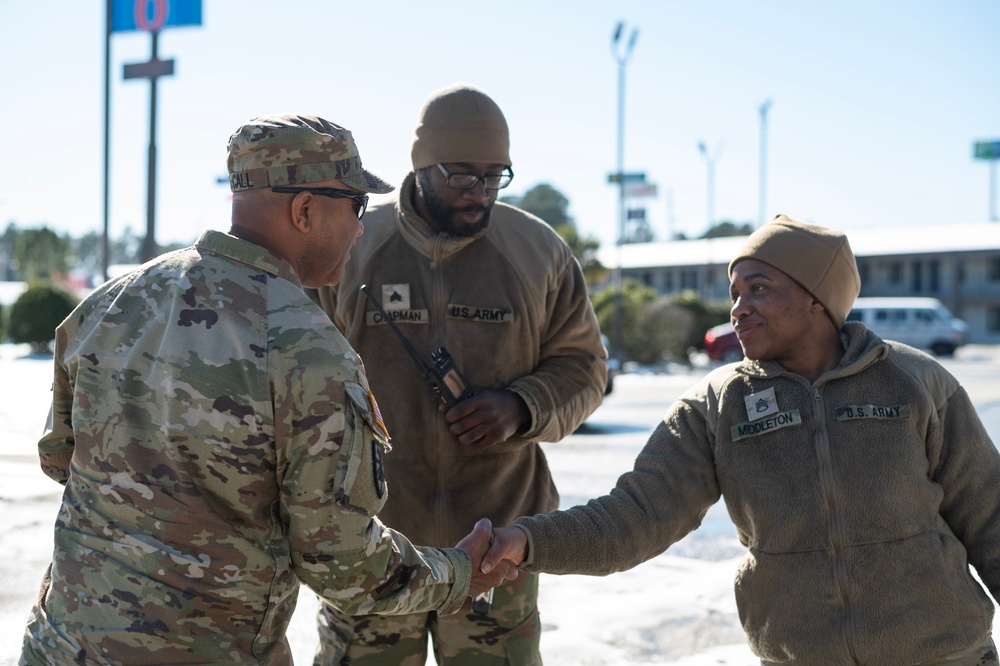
(217, 438)
(503, 293)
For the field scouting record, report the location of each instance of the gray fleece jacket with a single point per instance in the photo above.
(863, 498)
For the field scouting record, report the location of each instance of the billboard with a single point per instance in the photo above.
(153, 15)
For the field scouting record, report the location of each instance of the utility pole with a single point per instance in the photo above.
(710, 178)
(762, 199)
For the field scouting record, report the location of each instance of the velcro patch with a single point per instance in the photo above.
(765, 425)
(851, 412)
(399, 316)
(480, 313)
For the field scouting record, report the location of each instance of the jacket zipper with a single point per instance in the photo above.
(833, 519)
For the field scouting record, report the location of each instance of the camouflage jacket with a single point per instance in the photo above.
(219, 444)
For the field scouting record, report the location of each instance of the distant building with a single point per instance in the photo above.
(958, 264)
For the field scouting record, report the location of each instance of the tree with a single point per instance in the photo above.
(7, 242)
(552, 206)
(658, 328)
(546, 202)
(723, 229)
(126, 249)
(87, 251)
(36, 313)
(40, 253)
(635, 297)
(705, 315)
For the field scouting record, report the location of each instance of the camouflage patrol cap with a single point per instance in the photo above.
(269, 151)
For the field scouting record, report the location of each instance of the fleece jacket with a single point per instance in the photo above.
(863, 497)
(511, 307)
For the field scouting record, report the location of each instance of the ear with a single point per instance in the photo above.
(816, 307)
(303, 212)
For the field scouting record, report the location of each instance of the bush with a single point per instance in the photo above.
(35, 314)
(657, 328)
(706, 315)
(635, 296)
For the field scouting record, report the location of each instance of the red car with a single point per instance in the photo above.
(721, 343)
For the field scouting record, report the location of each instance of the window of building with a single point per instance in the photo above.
(993, 320)
(994, 270)
(895, 272)
(917, 277)
(934, 276)
(689, 279)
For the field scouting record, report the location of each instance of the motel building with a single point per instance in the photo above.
(959, 264)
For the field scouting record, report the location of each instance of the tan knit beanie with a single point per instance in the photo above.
(818, 258)
(460, 124)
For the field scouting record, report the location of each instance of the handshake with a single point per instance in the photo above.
(495, 554)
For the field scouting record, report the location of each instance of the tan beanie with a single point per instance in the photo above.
(818, 258)
(460, 124)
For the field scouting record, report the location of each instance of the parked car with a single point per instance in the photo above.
(924, 323)
(721, 343)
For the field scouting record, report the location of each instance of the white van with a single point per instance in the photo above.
(919, 322)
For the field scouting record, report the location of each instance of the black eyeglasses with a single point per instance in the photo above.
(466, 181)
(332, 192)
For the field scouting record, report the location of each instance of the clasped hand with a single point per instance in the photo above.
(495, 554)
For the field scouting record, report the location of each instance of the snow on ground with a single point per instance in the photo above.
(677, 608)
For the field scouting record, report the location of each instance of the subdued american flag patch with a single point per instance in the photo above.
(378, 415)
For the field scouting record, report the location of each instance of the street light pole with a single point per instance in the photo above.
(710, 188)
(622, 56)
(621, 52)
(762, 203)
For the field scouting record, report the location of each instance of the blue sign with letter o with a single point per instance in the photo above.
(153, 15)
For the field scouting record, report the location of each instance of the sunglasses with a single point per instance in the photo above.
(332, 192)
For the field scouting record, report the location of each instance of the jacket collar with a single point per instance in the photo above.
(245, 252)
(862, 347)
(417, 231)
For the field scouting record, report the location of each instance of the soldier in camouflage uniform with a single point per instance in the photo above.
(218, 439)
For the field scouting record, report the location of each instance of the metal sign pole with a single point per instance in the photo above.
(149, 242)
(135, 15)
(151, 70)
(105, 243)
(989, 150)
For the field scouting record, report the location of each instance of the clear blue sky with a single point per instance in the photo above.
(875, 109)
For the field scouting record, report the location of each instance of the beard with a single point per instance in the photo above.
(444, 218)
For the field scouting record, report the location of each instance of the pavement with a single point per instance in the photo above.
(29, 501)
